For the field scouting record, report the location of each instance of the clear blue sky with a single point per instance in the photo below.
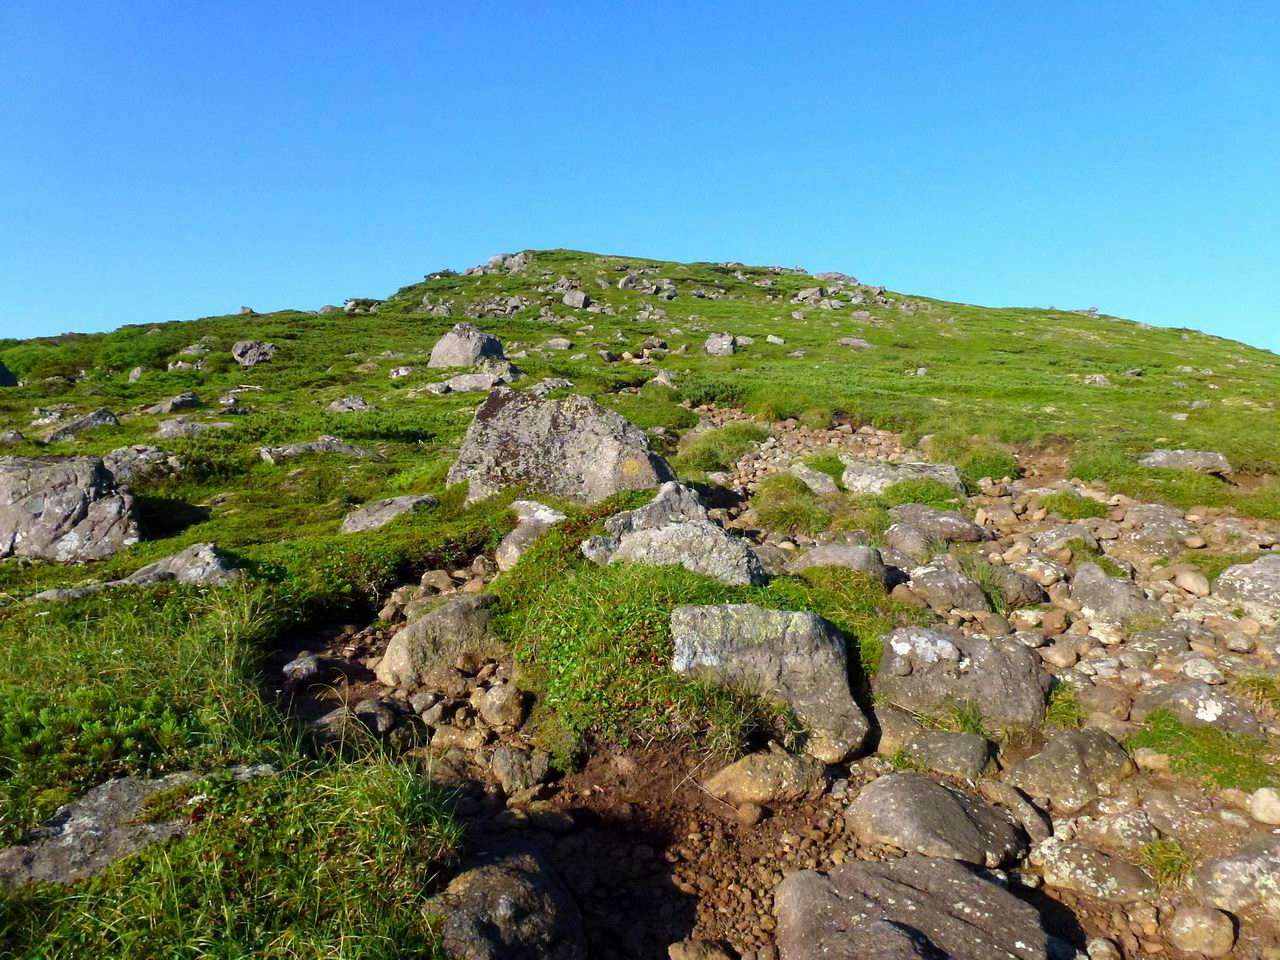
(166, 159)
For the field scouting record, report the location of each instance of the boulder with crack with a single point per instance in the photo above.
(63, 509)
(797, 658)
(572, 447)
(673, 530)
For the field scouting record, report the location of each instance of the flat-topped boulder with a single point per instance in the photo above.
(797, 658)
(464, 346)
(1200, 461)
(63, 509)
(324, 445)
(877, 476)
(571, 447)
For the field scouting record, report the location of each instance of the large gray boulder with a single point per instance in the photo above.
(1111, 599)
(797, 658)
(914, 813)
(1254, 586)
(1075, 768)
(877, 476)
(1201, 461)
(510, 907)
(250, 353)
(721, 344)
(98, 418)
(464, 346)
(141, 462)
(673, 530)
(198, 563)
(907, 909)
(929, 671)
(381, 512)
(461, 624)
(849, 556)
(63, 509)
(572, 447)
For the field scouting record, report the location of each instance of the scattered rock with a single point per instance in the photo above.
(964, 755)
(381, 512)
(325, 445)
(1200, 461)
(1084, 869)
(1254, 586)
(533, 520)
(1202, 930)
(849, 556)
(721, 344)
(458, 625)
(198, 563)
(63, 509)
(1111, 599)
(98, 418)
(1249, 877)
(1199, 705)
(350, 405)
(250, 353)
(183, 401)
(877, 476)
(767, 778)
(464, 346)
(1073, 769)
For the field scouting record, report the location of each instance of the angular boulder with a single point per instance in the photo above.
(326, 445)
(511, 907)
(1200, 461)
(1075, 768)
(721, 344)
(437, 638)
(198, 563)
(1254, 586)
(673, 530)
(98, 418)
(572, 447)
(1111, 599)
(929, 671)
(907, 909)
(250, 353)
(381, 512)
(877, 476)
(919, 815)
(797, 658)
(63, 509)
(464, 346)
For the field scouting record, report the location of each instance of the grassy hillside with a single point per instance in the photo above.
(166, 678)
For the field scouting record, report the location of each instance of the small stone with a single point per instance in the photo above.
(1202, 930)
(1264, 805)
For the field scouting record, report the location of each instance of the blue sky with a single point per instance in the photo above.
(174, 159)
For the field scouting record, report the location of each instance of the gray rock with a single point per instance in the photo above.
(503, 706)
(929, 671)
(349, 405)
(797, 658)
(945, 590)
(10, 438)
(98, 418)
(381, 512)
(877, 476)
(183, 401)
(1097, 380)
(920, 815)
(572, 447)
(91, 833)
(964, 755)
(1202, 930)
(1247, 878)
(325, 445)
(1254, 586)
(768, 777)
(856, 343)
(517, 770)
(437, 638)
(1153, 532)
(1111, 599)
(721, 344)
(63, 509)
(510, 907)
(1075, 768)
(198, 563)
(464, 346)
(179, 427)
(849, 556)
(250, 353)
(673, 530)
(1087, 870)
(141, 462)
(1198, 704)
(1201, 461)
(1017, 589)
(948, 526)
(907, 909)
(576, 299)
(820, 483)
(534, 520)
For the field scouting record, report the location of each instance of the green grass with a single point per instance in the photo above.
(1217, 758)
(1168, 862)
(975, 457)
(332, 862)
(719, 448)
(828, 463)
(1072, 506)
(785, 504)
(1260, 689)
(1213, 565)
(1063, 711)
(932, 493)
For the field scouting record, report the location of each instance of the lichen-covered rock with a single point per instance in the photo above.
(510, 907)
(1199, 705)
(907, 909)
(141, 462)
(768, 777)
(929, 671)
(946, 525)
(464, 346)
(458, 625)
(1075, 768)
(849, 556)
(381, 512)
(250, 353)
(965, 755)
(914, 813)
(945, 590)
(797, 658)
(1201, 461)
(571, 447)
(673, 530)
(877, 476)
(1084, 869)
(98, 418)
(1243, 879)
(1254, 586)
(63, 509)
(1111, 599)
